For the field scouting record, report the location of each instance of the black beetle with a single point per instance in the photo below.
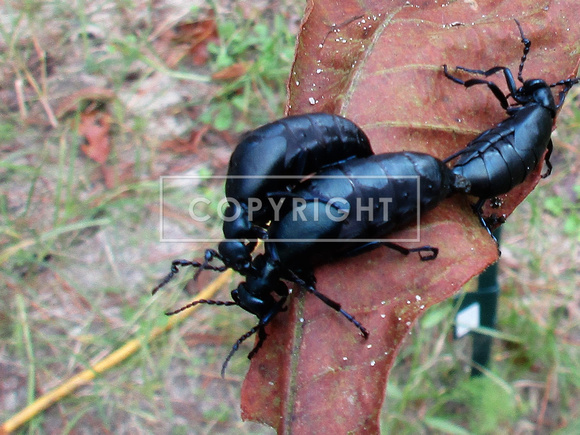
(273, 158)
(407, 183)
(501, 157)
(378, 195)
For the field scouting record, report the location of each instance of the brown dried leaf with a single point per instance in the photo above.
(196, 36)
(185, 39)
(379, 63)
(95, 126)
(231, 72)
(186, 146)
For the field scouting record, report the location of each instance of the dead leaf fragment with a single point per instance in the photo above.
(196, 36)
(189, 145)
(95, 127)
(231, 72)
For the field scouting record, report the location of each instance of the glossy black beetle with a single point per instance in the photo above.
(294, 146)
(378, 195)
(501, 157)
(408, 183)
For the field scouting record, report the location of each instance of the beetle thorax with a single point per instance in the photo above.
(536, 91)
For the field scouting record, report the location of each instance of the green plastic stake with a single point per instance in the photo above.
(479, 309)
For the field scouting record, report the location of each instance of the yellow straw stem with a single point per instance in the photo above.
(112, 360)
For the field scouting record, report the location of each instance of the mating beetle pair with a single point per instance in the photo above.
(492, 164)
(293, 247)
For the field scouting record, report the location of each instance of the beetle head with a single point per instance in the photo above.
(537, 91)
(236, 255)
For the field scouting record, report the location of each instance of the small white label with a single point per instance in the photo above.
(467, 319)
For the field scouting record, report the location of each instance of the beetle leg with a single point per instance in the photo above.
(209, 255)
(337, 307)
(239, 341)
(331, 303)
(509, 77)
(547, 160)
(434, 252)
(261, 339)
(568, 83)
(259, 328)
(478, 210)
(405, 251)
(491, 85)
(486, 73)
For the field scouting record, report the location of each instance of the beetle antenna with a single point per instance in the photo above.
(527, 44)
(176, 264)
(236, 346)
(201, 301)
